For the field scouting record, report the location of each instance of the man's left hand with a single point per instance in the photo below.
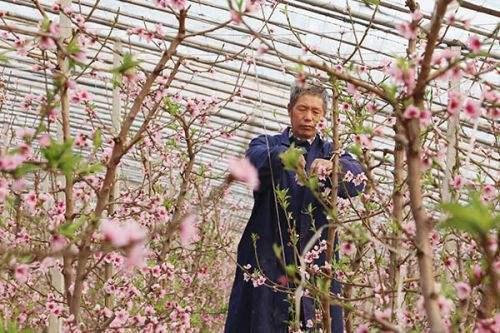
(321, 167)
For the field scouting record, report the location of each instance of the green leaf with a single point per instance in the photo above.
(239, 4)
(312, 183)
(290, 157)
(128, 64)
(11, 327)
(73, 47)
(475, 218)
(277, 250)
(291, 270)
(69, 229)
(3, 58)
(323, 284)
(97, 139)
(390, 91)
(172, 107)
(356, 150)
(85, 169)
(60, 156)
(45, 24)
(25, 169)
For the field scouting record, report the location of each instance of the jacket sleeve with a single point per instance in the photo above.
(264, 156)
(349, 189)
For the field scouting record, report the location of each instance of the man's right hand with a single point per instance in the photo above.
(302, 163)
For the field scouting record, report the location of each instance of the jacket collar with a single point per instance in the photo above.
(285, 138)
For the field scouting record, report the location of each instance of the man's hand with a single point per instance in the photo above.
(302, 163)
(321, 168)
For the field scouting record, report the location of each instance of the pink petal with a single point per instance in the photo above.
(242, 170)
(188, 230)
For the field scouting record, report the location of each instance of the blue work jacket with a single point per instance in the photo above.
(264, 309)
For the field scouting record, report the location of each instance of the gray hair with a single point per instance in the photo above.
(307, 89)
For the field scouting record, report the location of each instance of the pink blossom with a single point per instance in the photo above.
(426, 161)
(242, 170)
(488, 325)
(347, 248)
(31, 200)
(161, 3)
(159, 30)
(121, 317)
(345, 106)
(351, 89)
(457, 182)
(21, 273)
(454, 102)
(425, 117)
(46, 43)
(113, 233)
(136, 256)
(283, 280)
(364, 141)
(455, 73)
(445, 305)
(52, 115)
(450, 263)
(81, 140)
(4, 191)
(21, 46)
(477, 271)
(491, 95)
(496, 265)
(411, 112)
(364, 328)
(178, 4)
(474, 44)
(472, 109)
(493, 112)
(378, 131)
(405, 77)
(54, 30)
(252, 5)
(18, 185)
(44, 140)
(492, 245)
(54, 308)
(235, 17)
(463, 290)
(58, 242)
(79, 20)
(407, 30)
(489, 192)
(322, 172)
(84, 95)
(383, 315)
(56, 6)
(122, 235)
(470, 67)
(188, 230)
(25, 133)
(262, 49)
(258, 280)
(417, 15)
(371, 107)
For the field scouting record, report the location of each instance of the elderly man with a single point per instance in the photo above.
(254, 305)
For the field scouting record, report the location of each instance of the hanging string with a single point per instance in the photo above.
(260, 104)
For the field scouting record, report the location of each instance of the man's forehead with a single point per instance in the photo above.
(308, 99)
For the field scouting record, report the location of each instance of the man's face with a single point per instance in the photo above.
(305, 115)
